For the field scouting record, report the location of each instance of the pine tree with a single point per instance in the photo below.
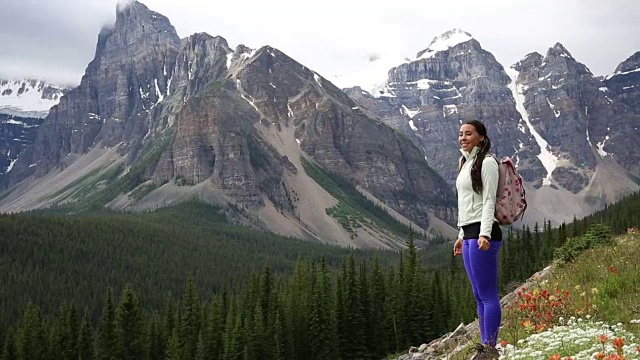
(353, 342)
(298, 305)
(85, 338)
(440, 313)
(210, 341)
(201, 348)
(364, 296)
(9, 350)
(169, 320)
(129, 327)
(379, 340)
(174, 350)
(281, 350)
(549, 243)
(562, 235)
(537, 247)
(189, 320)
(63, 337)
(575, 231)
(54, 341)
(30, 339)
(105, 346)
(155, 345)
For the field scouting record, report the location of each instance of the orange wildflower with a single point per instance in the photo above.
(603, 338)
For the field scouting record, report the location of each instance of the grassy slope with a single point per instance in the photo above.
(603, 285)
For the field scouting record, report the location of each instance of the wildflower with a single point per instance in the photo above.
(504, 343)
(618, 343)
(603, 339)
(599, 356)
(613, 270)
(555, 356)
(594, 290)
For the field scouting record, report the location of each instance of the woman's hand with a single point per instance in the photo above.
(483, 243)
(457, 247)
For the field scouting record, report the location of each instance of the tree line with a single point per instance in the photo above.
(332, 306)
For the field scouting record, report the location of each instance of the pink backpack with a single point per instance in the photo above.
(510, 198)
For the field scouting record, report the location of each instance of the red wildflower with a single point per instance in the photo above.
(603, 338)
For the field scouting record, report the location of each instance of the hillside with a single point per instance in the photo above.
(583, 306)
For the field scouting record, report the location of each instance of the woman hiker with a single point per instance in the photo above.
(480, 236)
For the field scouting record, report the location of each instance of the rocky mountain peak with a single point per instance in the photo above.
(558, 50)
(631, 64)
(136, 12)
(624, 83)
(444, 42)
(559, 62)
(530, 60)
(135, 23)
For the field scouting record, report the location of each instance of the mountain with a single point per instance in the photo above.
(625, 82)
(562, 126)
(23, 105)
(28, 98)
(158, 120)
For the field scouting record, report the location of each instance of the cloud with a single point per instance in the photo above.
(50, 39)
(56, 39)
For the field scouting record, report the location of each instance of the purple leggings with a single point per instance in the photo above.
(482, 270)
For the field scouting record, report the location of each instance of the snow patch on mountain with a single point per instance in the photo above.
(549, 161)
(28, 98)
(410, 113)
(445, 41)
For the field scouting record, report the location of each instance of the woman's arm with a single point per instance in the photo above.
(489, 190)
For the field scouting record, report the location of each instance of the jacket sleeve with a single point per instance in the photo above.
(489, 190)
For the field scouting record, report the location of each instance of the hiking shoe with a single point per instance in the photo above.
(484, 352)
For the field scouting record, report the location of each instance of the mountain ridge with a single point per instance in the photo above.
(532, 110)
(170, 118)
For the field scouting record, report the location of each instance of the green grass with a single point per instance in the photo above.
(599, 289)
(130, 180)
(354, 210)
(142, 190)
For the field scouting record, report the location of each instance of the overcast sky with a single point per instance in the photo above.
(55, 39)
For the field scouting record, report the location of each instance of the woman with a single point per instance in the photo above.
(480, 236)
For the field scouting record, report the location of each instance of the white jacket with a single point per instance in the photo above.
(474, 207)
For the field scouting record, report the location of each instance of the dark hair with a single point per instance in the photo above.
(485, 147)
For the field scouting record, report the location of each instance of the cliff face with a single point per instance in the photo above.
(428, 98)
(193, 114)
(564, 128)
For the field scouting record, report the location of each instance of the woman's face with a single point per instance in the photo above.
(469, 137)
